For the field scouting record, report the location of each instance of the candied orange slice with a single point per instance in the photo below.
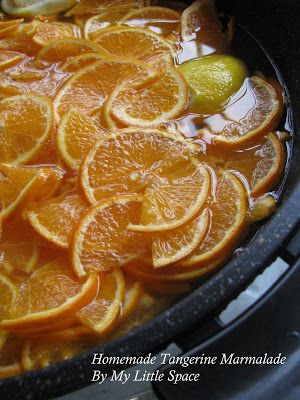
(9, 59)
(48, 32)
(55, 218)
(22, 137)
(21, 39)
(138, 43)
(157, 102)
(61, 50)
(160, 165)
(228, 220)
(252, 112)
(174, 245)
(34, 306)
(76, 63)
(9, 293)
(6, 27)
(101, 21)
(87, 90)
(134, 291)
(96, 6)
(102, 241)
(18, 248)
(161, 20)
(260, 163)
(10, 356)
(75, 136)
(102, 314)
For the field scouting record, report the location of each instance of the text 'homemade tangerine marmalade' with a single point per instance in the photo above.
(135, 154)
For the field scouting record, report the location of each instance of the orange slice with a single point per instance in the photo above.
(34, 306)
(88, 89)
(61, 50)
(102, 314)
(96, 6)
(6, 27)
(228, 221)
(75, 136)
(102, 241)
(10, 357)
(9, 293)
(76, 63)
(101, 21)
(252, 112)
(21, 39)
(134, 291)
(161, 20)
(162, 100)
(138, 43)
(55, 218)
(22, 137)
(48, 32)
(171, 246)
(18, 248)
(9, 59)
(260, 163)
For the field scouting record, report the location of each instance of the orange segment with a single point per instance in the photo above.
(252, 112)
(138, 43)
(48, 32)
(22, 137)
(134, 291)
(228, 221)
(102, 242)
(61, 50)
(162, 100)
(76, 63)
(87, 90)
(102, 314)
(161, 20)
(10, 357)
(96, 6)
(75, 136)
(101, 21)
(171, 246)
(34, 306)
(55, 218)
(9, 59)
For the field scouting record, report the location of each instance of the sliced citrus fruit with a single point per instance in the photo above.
(21, 39)
(134, 291)
(96, 6)
(160, 101)
(34, 306)
(102, 241)
(75, 136)
(18, 248)
(87, 89)
(161, 20)
(101, 21)
(102, 314)
(23, 137)
(55, 218)
(174, 245)
(9, 293)
(228, 220)
(32, 8)
(138, 43)
(76, 63)
(48, 32)
(10, 357)
(159, 165)
(252, 112)
(9, 59)
(6, 27)
(260, 163)
(61, 50)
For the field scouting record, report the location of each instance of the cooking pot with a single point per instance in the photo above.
(275, 24)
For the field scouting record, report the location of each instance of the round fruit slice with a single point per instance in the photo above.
(61, 50)
(159, 165)
(260, 163)
(55, 218)
(138, 43)
(161, 20)
(171, 246)
(22, 137)
(75, 136)
(102, 314)
(9, 59)
(134, 291)
(10, 356)
(101, 21)
(229, 219)
(9, 293)
(102, 241)
(88, 89)
(160, 101)
(96, 6)
(48, 32)
(74, 64)
(252, 112)
(32, 8)
(7, 27)
(34, 306)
